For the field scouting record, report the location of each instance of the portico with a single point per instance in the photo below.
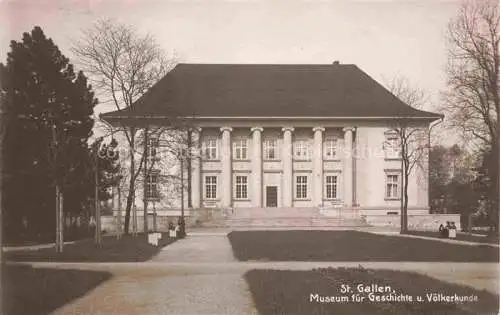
(288, 165)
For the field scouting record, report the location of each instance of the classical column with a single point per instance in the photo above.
(226, 166)
(287, 189)
(257, 166)
(348, 166)
(318, 166)
(196, 173)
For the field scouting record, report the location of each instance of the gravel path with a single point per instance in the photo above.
(157, 287)
(199, 275)
(444, 240)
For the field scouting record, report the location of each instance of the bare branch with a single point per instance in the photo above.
(472, 101)
(123, 65)
(412, 137)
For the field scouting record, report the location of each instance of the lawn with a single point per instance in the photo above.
(294, 292)
(350, 246)
(489, 239)
(126, 249)
(27, 290)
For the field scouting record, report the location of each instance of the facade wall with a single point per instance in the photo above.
(416, 221)
(370, 166)
(166, 166)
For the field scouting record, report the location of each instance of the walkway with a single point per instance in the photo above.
(157, 287)
(199, 275)
(444, 240)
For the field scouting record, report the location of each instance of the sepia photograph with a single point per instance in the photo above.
(253, 157)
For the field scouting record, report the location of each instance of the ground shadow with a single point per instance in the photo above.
(27, 290)
(350, 246)
(126, 249)
(319, 292)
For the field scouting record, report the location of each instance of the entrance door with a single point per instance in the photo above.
(271, 196)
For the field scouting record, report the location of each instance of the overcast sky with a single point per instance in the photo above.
(384, 38)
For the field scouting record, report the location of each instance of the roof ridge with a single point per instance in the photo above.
(265, 64)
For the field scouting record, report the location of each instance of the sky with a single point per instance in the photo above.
(384, 38)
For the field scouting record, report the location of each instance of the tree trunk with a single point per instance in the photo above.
(405, 205)
(59, 218)
(2, 152)
(61, 221)
(131, 186)
(145, 183)
(119, 214)
(498, 171)
(128, 207)
(97, 207)
(402, 212)
(189, 147)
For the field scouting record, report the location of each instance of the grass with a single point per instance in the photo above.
(350, 246)
(70, 235)
(489, 239)
(289, 292)
(27, 290)
(126, 249)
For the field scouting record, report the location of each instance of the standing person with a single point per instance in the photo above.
(442, 231)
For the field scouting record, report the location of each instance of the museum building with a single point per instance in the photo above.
(288, 136)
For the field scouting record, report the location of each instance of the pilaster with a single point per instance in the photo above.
(287, 189)
(348, 166)
(226, 196)
(318, 166)
(196, 170)
(257, 166)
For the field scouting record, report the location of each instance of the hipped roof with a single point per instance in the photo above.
(269, 90)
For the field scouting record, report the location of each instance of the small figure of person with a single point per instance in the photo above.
(452, 231)
(453, 226)
(448, 228)
(441, 229)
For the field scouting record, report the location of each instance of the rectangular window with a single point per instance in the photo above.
(210, 187)
(391, 186)
(271, 149)
(240, 151)
(330, 148)
(301, 149)
(392, 147)
(241, 187)
(152, 190)
(210, 149)
(331, 187)
(152, 149)
(301, 187)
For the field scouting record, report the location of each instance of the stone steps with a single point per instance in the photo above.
(283, 218)
(286, 222)
(274, 212)
(295, 222)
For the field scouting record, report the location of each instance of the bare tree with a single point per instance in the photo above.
(123, 65)
(3, 115)
(472, 100)
(153, 152)
(169, 149)
(412, 139)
